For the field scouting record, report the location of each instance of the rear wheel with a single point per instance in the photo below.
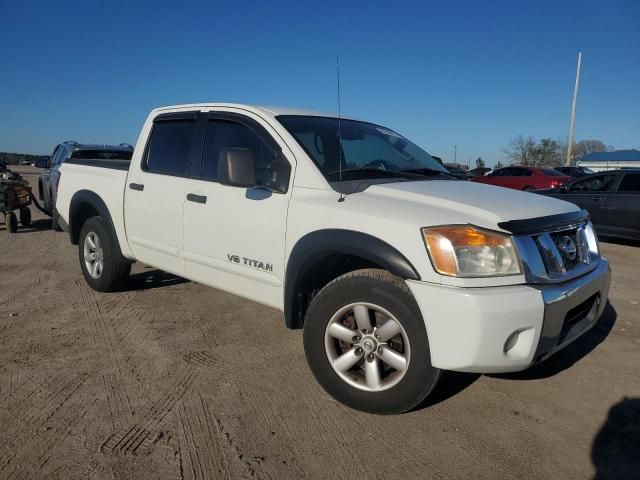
(12, 222)
(25, 217)
(103, 266)
(528, 189)
(367, 345)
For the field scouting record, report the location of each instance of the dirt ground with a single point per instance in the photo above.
(170, 379)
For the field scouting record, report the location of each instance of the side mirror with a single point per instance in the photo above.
(43, 162)
(237, 168)
(279, 171)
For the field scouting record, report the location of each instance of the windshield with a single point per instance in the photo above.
(367, 149)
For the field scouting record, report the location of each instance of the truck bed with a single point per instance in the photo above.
(104, 178)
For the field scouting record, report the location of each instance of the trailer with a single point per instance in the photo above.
(15, 195)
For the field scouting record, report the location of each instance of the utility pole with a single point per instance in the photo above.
(573, 111)
(455, 154)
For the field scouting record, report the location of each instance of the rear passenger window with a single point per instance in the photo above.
(223, 134)
(630, 183)
(169, 150)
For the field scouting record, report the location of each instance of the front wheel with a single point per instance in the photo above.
(366, 343)
(103, 267)
(55, 220)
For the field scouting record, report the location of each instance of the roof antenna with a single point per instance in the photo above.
(342, 196)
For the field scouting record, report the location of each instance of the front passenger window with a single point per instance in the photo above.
(224, 134)
(599, 183)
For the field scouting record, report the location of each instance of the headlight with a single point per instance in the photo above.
(466, 251)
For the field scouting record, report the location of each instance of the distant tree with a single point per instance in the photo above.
(547, 153)
(499, 164)
(584, 147)
(520, 150)
(480, 162)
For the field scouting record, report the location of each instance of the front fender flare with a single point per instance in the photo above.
(323, 243)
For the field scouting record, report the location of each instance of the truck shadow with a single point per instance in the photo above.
(449, 385)
(152, 278)
(565, 358)
(615, 452)
(40, 225)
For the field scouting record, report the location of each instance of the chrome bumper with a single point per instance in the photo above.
(572, 308)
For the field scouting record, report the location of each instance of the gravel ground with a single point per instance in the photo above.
(170, 379)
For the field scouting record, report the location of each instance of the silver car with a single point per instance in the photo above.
(48, 181)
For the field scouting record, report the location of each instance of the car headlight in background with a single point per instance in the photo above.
(466, 251)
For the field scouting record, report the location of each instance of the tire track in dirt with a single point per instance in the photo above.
(397, 443)
(25, 465)
(138, 438)
(201, 448)
(271, 421)
(33, 413)
(326, 430)
(206, 359)
(115, 387)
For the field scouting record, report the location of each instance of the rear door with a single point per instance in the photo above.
(521, 178)
(623, 207)
(234, 237)
(155, 190)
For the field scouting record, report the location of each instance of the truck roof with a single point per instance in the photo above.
(268, 110)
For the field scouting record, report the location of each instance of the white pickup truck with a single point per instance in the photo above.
(395, 270)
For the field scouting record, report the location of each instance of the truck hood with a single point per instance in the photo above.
(466, 202)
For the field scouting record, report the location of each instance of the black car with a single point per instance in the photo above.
(457, 172)
(612, 198)
(575, 172)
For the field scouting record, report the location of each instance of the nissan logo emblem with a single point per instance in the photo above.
(567, 247)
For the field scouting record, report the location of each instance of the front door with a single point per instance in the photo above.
(155, 191)
(590, 193)
(234, 237)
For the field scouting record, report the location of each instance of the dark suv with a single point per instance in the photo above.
(575, 172)
(48, 181)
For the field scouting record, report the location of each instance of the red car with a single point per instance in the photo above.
(525, 178)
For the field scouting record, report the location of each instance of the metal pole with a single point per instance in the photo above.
(455, 153)
(573, 111)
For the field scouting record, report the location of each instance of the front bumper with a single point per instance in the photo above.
(506, 329)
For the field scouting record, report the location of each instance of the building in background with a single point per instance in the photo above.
(601, 161)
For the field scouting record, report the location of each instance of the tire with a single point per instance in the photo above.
(114, 270)
(12, 222)
(25, 217)
(528, 189)
(55, 224)
(393, 390)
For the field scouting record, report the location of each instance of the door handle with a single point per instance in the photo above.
(192, 197)
(136, 186)
(596, 199)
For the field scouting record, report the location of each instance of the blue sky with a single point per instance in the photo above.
(472, 74)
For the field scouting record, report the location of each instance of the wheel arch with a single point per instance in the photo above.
(321, 256)
(84, 205)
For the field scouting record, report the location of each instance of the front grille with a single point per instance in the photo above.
(567, 244)
(564, 251)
